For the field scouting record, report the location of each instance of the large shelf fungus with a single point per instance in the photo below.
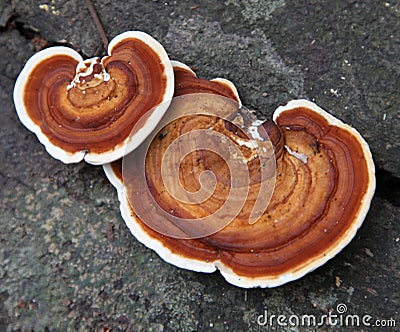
(87, 109)
(324, 184)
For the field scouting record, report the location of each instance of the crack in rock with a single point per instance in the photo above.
(250, 61)
(387, 186)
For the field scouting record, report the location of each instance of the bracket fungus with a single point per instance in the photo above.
(86, 109)
(309, 178)
(325, 180)
(187, 82)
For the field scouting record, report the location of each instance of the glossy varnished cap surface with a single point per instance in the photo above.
(324, 184)
(87, 109)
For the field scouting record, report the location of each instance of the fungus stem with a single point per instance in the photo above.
(97, 23)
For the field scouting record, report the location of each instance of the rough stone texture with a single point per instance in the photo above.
(67, 261)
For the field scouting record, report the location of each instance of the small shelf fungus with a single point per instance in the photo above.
(324, 182)
(187, 82)
(86, 109)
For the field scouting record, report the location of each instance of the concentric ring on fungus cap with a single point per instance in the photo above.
(87, 109)
(324, 185)
(187, 82)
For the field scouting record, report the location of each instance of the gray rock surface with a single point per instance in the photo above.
(67, 260)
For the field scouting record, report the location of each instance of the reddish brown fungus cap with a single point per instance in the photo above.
(325, 181)
(187, 82)
(87, 109)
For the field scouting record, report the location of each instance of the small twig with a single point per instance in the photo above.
(97, 23)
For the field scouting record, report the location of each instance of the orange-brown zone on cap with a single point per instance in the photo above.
(186, 82)
(312, 207)
(116, 167)
(100, 117)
